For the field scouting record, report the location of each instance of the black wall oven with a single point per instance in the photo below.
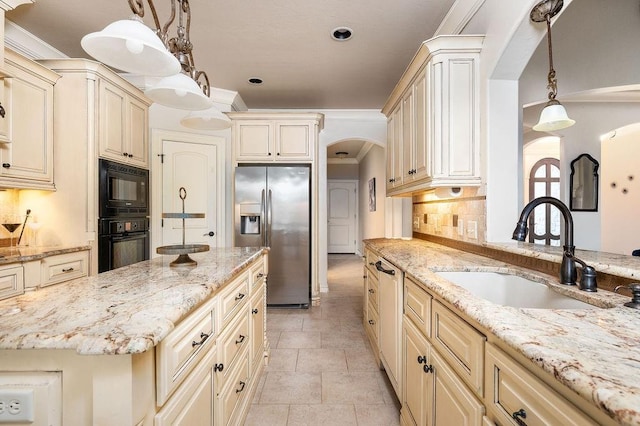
(123, 228)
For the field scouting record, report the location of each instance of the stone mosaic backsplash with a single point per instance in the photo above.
(449, 213)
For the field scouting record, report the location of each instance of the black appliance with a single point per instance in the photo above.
(124, 190)
(123, 226)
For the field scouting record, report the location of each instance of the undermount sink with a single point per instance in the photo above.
(512, 290)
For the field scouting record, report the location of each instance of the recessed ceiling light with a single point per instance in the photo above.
(341, 34)
(255, 81)
(342, 154)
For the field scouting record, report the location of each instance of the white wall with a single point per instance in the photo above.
(372, 224)
(342, 171)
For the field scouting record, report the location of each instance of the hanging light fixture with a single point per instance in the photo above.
(127, 45)
(208, 119)
(554, 115)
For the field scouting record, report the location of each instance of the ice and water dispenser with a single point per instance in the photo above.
(250, 218)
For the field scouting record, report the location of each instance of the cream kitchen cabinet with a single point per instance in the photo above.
(390, 286)
(26, 154)
(64, 267)
(124, 125)
(281, 137)
(371, 303)
(433, 118)
(11, 280)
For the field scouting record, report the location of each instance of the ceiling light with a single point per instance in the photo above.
(341, 33)
(256, 81)
(208, 119)
(554, 115)
(129, 45)
(342, 154)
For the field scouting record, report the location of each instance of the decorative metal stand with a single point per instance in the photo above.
(183, 250)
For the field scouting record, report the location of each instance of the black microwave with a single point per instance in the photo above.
(124, 190)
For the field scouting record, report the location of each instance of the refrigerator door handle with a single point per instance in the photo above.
(269, 213)
(263, 231)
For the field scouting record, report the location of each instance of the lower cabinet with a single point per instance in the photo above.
(417, 398)
(390, 315)
(11, 280)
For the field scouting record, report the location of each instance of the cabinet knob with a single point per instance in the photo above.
(422, 359)
(240, 296)
(218, 367)
(130, 155)
(6, 165)
(260, 275)
(125, 154)
(67, 269)
(210, 233)
(278, 153)
(240, 339)
(519, 415)
(427, 368)
(254, 311)
(203, 337)
(372, 322)
(269, 153)
(371, 291)
(2, 111)
(242, 385)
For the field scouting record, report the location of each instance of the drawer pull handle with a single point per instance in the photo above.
(203, 337)
(386, 271)
(242, 385)
(427, 368)
(240, 340)
(371, 291)
(67, 269)
(372, 322)
(422, 359)
(519, 415)
(254, 311)
(2, 112)
(240, 296)
(372, 264)
(6, 165)
(218, 367)
(260, 275)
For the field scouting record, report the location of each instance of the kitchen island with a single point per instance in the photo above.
(104, 341)
(589, 356)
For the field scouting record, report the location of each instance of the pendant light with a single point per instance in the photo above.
(554, 115)
(208, 119)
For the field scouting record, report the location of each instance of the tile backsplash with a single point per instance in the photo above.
(449, 213)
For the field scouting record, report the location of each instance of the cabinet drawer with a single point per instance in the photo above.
(257, 275)
(460, 344)
(231, 345)
(417, 306)
(511, 388)
(64, 267)
(11, 281)
(233, 297)
(371, 324)
(237, 389)
(370, 259)
(181, 350)
(372, 290)
(258, 317)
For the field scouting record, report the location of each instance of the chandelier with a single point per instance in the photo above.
(131, 46)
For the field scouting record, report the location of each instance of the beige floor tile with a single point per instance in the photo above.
(284, 322)
(315, 360)
(342, 339)
(273, 336)
(318, 324)
(361, 359)
(292, 388)
(267, 415)
(259, 386)
(353, 388)
(387, 391)
(322, 415)
(377, 415)
(299, 340)
(283, 360)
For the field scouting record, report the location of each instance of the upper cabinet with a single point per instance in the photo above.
(124, 124)
(26, 132)
(433, 118)
(285, 137)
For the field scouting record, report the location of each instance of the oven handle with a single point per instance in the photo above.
(128, 236)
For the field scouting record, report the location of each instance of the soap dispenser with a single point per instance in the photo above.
(635, 294)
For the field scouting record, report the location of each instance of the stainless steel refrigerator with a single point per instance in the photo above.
(273, 208)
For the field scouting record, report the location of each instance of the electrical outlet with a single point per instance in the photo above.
(424, 218)
(455, 220)
(472, 229)
(16, 405)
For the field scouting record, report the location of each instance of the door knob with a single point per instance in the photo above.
(210, 233)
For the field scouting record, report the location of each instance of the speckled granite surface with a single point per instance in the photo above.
(27, 254)
(595, 352)
(128, 310)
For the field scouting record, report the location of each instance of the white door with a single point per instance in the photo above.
(194, 167)
(341, 229)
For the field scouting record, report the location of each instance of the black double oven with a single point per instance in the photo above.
(123, 228)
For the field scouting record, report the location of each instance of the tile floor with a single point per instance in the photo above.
(322, 370)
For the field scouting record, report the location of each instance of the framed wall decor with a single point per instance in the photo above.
(372, 194)
(583, 186)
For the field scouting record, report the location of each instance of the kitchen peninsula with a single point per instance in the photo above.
(586, 362)
(142, 342)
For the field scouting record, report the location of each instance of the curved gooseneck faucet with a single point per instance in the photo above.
(568, 266)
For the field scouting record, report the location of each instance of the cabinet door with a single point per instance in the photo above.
(113, 112)
(11, 281)
(137, 148)
(417, 384)
(257, 333)
(408, 137)
(390, 314)
(29, 100)
(293, 141)
(453, 403)
(397, 147)
(254, 140)
(4, 120)
(421, 156)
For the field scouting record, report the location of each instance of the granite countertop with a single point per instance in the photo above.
(125, 311)
(594, 351)
(28, 253)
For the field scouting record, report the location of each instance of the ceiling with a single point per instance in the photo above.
(286, 43)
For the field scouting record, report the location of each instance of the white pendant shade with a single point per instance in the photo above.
(179, 91)
(131, 46)
(553, 117)
(208, 119)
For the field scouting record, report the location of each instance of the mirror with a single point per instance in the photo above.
(583, 185)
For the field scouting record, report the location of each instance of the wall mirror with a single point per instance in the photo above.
(583, 185)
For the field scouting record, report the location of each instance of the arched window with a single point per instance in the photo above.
(544, 222)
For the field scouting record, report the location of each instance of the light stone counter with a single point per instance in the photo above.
(595, 352)
(26, 254)
(124, 311)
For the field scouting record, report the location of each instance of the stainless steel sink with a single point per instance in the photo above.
(512, 290)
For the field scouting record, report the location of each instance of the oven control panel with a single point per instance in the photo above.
(121, 226)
